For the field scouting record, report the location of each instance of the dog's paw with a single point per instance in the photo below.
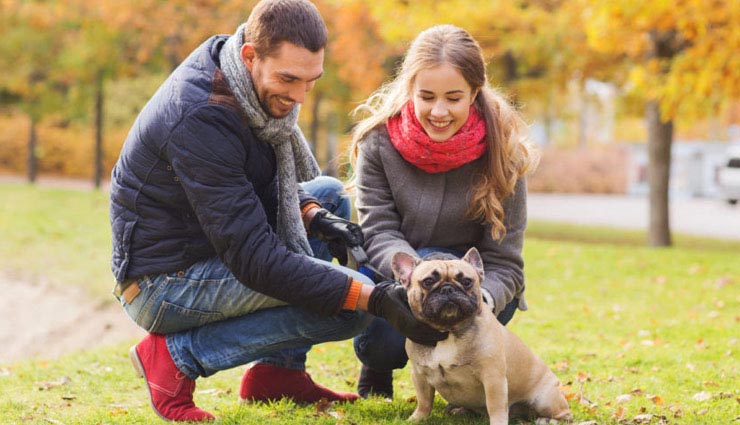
(548, 421)
(417, 416)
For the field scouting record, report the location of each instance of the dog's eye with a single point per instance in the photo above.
(428, 282)
(466, 282)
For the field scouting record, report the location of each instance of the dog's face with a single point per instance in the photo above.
(443, 290)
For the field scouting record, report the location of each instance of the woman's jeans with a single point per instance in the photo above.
(382, 347)
(214, 322)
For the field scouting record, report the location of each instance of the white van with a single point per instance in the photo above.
(729, 176)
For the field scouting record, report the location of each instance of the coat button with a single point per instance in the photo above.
(169, 168)
(177, 179)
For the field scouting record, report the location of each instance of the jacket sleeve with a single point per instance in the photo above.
(207, 154)
(378, 216)
(502, 259)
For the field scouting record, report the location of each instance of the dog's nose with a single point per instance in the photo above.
(446, 289)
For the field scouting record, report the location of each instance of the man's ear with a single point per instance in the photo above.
(402, 265)
(248, 54)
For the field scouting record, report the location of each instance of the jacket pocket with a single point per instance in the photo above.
(174, 318)
(121, 238)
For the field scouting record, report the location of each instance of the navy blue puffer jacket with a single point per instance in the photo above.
(192, 182)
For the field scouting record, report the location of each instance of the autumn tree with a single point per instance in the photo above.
(29, 50)
(353, 68)
(683, 62)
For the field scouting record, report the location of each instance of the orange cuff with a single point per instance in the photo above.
(353, 296)
(309, 206)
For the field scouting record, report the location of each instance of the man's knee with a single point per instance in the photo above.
(357, 321)
(329, 191)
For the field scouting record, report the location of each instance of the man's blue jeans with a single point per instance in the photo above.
(214, 322)
(382, 347)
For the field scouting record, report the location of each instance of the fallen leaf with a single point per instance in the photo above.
(677, 411)
(702, 396)
(118, 411)
(323, 406)
(588, 423)
(619, 413)
(624, 398)
(636, 391)
(562, 366)
(64, 380)
(69, 397)
(655, 399)
(710, 384)
(726, 394)
(582, 377)
(643, 418)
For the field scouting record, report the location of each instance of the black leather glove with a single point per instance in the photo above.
(337, 232)
(388, 300)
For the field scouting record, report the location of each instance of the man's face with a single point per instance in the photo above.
(282, 79)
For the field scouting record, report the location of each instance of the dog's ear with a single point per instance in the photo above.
(472, 257)
(402, 265)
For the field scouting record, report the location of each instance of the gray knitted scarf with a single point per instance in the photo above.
(294, 159)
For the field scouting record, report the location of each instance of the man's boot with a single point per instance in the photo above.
(263, 382)
(170, 391)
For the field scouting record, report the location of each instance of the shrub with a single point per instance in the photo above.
(593, 170)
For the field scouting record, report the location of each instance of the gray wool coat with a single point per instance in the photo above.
(404, 208)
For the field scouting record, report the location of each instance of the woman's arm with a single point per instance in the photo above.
(377, 211)
(503, 262)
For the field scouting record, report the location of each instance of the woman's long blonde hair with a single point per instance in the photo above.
(508, 156)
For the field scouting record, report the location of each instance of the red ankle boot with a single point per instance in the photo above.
(263, 382)
(170, 391)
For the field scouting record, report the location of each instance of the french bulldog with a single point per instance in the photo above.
(481, 366)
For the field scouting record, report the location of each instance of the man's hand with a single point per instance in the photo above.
(337, 232)
(388, 300)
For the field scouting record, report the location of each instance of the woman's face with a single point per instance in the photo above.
(442, 100)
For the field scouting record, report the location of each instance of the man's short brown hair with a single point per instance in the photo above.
(274, 21)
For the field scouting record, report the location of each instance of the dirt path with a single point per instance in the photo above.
(37, 320)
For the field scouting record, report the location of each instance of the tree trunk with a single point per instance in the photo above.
(660, 138)
(32, 161)
(332, 142)
(315, 124)
(98, 167)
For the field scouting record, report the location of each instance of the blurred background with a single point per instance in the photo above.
(624, 97)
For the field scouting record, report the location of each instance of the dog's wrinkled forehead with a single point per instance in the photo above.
(444, 269)
(439, 256)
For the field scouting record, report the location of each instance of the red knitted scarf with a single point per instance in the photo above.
(416, 147)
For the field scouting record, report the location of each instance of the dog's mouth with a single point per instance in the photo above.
(447, 308)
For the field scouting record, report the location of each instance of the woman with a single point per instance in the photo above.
(439, 166)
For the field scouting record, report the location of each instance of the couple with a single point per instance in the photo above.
(223, 233)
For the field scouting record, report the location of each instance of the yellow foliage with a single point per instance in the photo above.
(700, 76)
(61, 150)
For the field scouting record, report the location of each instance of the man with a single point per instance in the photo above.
(209, 223)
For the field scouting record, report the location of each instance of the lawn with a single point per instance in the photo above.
(638, 335)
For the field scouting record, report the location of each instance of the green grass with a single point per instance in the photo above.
(610, 316)
(61, 237)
